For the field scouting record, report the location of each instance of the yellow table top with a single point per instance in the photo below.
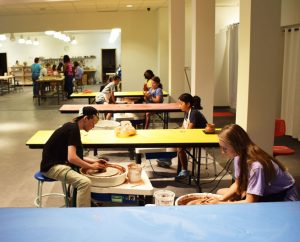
(6, 77)
(51, 78)
(84, 95)
(143, 138)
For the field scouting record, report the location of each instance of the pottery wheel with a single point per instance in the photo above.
(110, 171)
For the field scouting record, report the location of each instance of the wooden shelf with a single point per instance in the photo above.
(22, 74)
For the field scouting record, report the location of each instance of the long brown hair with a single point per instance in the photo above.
(248, 152)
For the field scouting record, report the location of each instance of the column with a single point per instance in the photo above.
(203, 46)
(260, 69)
(176, 48)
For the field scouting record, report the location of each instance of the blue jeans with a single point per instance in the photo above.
(35, 86)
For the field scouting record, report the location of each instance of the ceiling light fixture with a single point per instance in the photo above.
(73, 41)
(12, 37)
(28, 41)
(36, 42)
(2, 37)
(22, 40)
(49, 32)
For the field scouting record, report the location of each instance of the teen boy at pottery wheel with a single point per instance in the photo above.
(64, 149)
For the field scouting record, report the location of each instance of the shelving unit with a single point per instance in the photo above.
(22, 74)
(81, 59)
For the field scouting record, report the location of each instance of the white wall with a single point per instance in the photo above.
(224, 17)
(163, 49)
(290, 12)
(89, 43)
(139, 40)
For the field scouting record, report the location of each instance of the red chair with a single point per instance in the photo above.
(280, 131)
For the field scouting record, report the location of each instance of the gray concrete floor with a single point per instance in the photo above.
(21, 117)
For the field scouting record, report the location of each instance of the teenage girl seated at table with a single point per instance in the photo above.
(107, 94)
(193, 119)
(148, 74)
(259, 177)
(153, 95)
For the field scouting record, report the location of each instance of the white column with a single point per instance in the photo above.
(176, 48)
(260, 69)
(163, 48)
(203, 49)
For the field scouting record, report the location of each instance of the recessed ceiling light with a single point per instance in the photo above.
(129, 6)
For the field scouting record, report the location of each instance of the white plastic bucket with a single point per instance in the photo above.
(164, 198)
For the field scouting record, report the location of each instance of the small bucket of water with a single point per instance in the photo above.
(134, 173)
(164, 198)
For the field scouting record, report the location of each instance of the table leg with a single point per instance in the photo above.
(166, 120)
(138, 158)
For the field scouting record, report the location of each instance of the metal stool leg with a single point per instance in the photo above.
(64, 187)
(38, 201)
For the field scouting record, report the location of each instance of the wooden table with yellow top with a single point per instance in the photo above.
(92, 95)
(194, 138)
(50, 86)
(5, 83)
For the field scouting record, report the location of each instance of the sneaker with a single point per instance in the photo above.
(182, 175)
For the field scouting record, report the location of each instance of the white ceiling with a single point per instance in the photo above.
(34, 7)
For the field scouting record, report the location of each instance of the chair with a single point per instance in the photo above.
(78, 85)
(41, 179)
(279, 132)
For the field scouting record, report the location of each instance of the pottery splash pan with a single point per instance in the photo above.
(113, 175)
(194, 199)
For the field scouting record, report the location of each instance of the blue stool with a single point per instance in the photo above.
(41, 179)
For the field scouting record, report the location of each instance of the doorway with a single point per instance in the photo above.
(108, 63)
(3, 64)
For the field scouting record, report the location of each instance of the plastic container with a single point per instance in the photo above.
(164, 198)
(134, 173)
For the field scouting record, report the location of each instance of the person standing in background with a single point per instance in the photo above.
(68, 72)
(119, 72)
(35, 70)
(60, 67)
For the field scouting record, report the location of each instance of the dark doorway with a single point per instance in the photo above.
(108, 63)
(3, 64)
